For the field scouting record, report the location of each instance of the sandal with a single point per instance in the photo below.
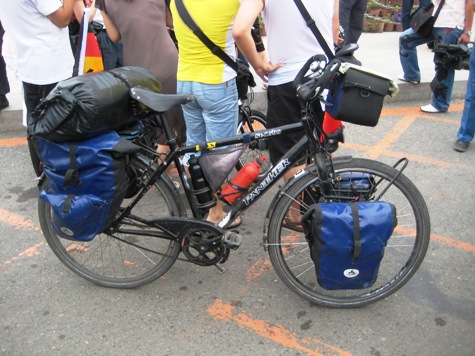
(235, 223)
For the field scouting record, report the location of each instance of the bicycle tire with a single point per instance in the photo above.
(257, 121)
(120, 260)
(404, 253)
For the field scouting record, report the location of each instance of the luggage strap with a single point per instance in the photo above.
(356, 232)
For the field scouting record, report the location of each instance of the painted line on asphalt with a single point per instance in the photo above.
(220, 310)
(12, 142)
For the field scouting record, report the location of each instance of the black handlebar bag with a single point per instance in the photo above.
(356, 95)
(347, 241)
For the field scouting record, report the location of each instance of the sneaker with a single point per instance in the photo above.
(430, 109)
(402, 79)
(461, 146)
(3, 102)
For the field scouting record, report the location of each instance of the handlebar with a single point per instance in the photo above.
(308, 89)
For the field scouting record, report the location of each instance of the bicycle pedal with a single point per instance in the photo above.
(232, 239)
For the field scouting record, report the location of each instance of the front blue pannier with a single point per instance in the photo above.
(347, 241)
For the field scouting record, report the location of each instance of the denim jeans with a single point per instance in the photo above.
(444, 78)
(214, 113)
(466, 131)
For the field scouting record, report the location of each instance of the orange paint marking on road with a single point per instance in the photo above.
(12, 142)
(411, 157)
(416, 110)
(17, 221)
(29, 252)
(397, 131)
(464, 246)
(258, 269)
(277, 333)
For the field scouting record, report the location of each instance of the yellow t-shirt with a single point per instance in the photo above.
(196, 62)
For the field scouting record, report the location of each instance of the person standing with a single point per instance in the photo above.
(142, 27)
(39, 32)
(453, 25)
(214, 113)
(351, 19)
(4, 84)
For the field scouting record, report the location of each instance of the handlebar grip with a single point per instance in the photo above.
(299, 78)
(307, 90)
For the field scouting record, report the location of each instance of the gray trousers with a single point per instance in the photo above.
(351, 19)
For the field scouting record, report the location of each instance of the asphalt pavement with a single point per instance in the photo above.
(46, 310)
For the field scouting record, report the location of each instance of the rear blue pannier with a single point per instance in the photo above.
(347, 241)
(86, 183)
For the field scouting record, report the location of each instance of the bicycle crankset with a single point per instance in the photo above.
(202, 247)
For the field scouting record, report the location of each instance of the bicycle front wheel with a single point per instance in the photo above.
(290, 254)
(120, 260)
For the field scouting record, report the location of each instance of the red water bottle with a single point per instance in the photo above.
(330, 124)
(242, 180)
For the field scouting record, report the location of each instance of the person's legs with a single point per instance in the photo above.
(408, 41)
(4, 84)
(355, 26)
(406, 13)
(466, 132)
(443, 82)
(344, 14)
(214, 115)
(33, 94)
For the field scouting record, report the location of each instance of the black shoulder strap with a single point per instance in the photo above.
(216, 50)
(439, 8)
(313, 27)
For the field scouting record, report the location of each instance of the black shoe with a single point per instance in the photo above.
(3, 102)
(461, 146)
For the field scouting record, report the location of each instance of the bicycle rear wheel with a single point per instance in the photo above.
(250, 121)
(289, 251)
(121, 260)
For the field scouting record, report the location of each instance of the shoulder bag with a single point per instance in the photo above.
(422, 21)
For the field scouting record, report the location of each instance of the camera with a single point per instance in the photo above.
(453, 56)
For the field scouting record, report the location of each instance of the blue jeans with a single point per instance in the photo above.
(466, 131)
(407, 9)
(214, 113)
(443, 82)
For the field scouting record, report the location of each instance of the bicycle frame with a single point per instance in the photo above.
(244, 202)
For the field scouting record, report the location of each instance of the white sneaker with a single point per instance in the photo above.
(402, 79)
(430, 109)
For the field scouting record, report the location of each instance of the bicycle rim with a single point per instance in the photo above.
(289, 251)
(120, 261)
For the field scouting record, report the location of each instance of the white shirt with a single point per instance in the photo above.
(283, 21)
(451, 15)
(43, 50)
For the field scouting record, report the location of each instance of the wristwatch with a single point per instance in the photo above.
(468, 33)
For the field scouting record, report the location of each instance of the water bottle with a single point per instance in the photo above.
(202, 190)
(242, 180)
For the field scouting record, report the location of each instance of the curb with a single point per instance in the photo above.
(11, 119)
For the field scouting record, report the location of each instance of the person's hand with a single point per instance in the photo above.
(464, 38)
(265, 68)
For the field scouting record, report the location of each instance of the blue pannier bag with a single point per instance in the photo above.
(86, 183)
(347, 241)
